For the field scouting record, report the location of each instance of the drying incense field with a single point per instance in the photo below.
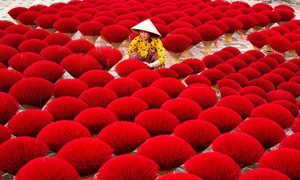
(224, 107)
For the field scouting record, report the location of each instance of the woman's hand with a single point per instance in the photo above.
(155, 64)
(148, 64)
(125, 57)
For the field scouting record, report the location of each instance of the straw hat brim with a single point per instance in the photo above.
(147, 26)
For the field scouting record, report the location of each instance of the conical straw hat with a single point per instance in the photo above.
(146, 25)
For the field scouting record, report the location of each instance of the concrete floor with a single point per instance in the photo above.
(242, 44)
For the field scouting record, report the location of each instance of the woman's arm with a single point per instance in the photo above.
(133, 46)
(160, 51)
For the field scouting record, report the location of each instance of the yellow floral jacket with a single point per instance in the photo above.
(141, 46)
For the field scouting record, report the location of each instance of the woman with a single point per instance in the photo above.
(147, 46)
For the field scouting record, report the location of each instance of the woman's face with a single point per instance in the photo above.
(145, 35)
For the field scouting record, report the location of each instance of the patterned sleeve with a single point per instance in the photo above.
(160, 51)
(133, 46)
